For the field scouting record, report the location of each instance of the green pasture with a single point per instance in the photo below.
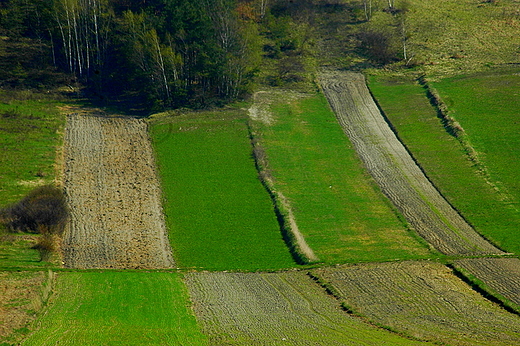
(490, 125)
(219, 214)
(117, 308)
(338, 208)
(30, 132)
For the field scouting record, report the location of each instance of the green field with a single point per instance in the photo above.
(342, 214)
(30, 133)
(118, 308)
(444, 159)
(219, 215)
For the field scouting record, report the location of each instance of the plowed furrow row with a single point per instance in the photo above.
(275, 309)
(114, 196)
(500, 274)
(424, 300)
(395, 171)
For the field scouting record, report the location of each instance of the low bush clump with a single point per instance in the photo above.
(44, 211)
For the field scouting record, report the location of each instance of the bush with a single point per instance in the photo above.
(43, 210)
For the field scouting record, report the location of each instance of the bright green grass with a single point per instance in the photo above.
(29, 135)
(342, 215)
(118, 308)
(219, 215)
(443, 158)
(16, 252)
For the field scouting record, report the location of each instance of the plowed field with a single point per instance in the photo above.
(500, 274)
(424, 300)
(395, 171)
(114, 196)
(276, 309)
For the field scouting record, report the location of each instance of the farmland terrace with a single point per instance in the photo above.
(114, 225)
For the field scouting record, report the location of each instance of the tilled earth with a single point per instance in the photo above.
(424, 300)
(409, 189)
(114, 196)
(395, 171)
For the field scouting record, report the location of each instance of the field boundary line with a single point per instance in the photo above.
(300, 250)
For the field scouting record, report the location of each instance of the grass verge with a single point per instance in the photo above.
(447, 162)
(339, 210)
(219, 215)
(118, 308)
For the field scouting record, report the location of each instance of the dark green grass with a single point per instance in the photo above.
(443, 158)
(30, 127)
(337, 207)
(16, 252)
(219, 215)
(118, 308)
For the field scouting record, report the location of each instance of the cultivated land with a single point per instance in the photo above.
(423, 300)
(340, 212)
(118, 308)
(276, 309)
(395, 171)
(114, 196)
(219, 214)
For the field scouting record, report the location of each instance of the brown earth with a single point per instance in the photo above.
(114, 196)
(22, 295)
(424, 300)
(395, 171)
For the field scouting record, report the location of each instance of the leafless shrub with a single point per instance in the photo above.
(44, 208)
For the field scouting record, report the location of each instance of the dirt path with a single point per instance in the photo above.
(114, 196)
(395, 171)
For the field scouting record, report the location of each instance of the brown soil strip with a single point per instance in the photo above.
(424, 300)
(395, 171)
(114, 196)
(500, 274)
(22, 294)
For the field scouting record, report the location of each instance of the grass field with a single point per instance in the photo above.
(118, 308)
(444, 159)
(342, 215)
(31, 129)
(219, 214)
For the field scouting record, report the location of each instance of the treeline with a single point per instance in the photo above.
(155, 53)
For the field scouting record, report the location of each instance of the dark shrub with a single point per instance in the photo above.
(43, 210)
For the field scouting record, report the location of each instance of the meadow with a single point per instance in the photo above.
(118, 308)
(219, 215)
(340, 211)
(31, 129)
(445, 159)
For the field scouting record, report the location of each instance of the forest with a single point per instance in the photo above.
(153, 54)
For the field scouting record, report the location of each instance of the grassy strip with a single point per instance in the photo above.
(220, 216)
(299, 248)
(339, 210)
(31, 129)
(446, 161)
(118, 308)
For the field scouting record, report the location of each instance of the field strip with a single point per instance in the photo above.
(276, 309)
(114, 196)
(395, 171)
(117, 308)
(501, 275)
(424, 300)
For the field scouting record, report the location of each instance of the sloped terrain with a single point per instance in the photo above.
(395, 171)
(424, 300)
(276, 309)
